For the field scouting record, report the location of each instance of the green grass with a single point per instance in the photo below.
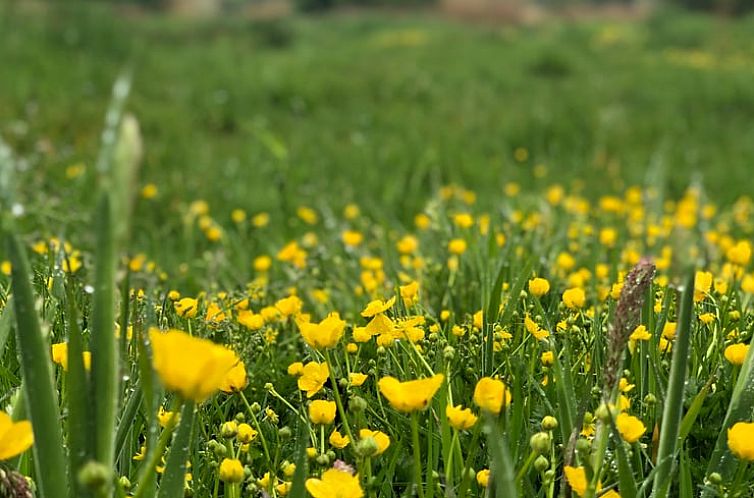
(383, 111)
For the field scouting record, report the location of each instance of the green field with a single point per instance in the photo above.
(338, 201)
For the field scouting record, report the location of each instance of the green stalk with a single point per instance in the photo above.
(174, 478)
(77, 384)
(41, 398)
(671, 417)
(104, 348)
(501, 466)
(146, 479)
(417, 455)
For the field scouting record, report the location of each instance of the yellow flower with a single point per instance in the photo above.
(410, 396)
(245, 433)
(324, 334)
(380, 438)
(547, 358)
(322, 412)
(640, 333)
(457, 246)
(740, 441)
(313, 378)
(574, 298)
(352, 238)
(534, 329)
(408, 244)
(668, 330)
(335, 483)
(166, 418)
(289, 306)
(491, 395)
(235, 380)
(260, 220)
(60, 356)
(576, 477)
(539, 287)
(702, 285)
(186, 307)
(739, 254)
(483, 477)
(15, 437)
(338, 440)
(6, 268)
(410, 293)
(736, 353)
(231, 470)
(192, 366)
(357, 379)
(307, 215)
(250, 320)
(214, 313)
(631, 428)
(377, 306)
(296, 368)
(460, 418)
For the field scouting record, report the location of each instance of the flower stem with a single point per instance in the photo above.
(417, 455)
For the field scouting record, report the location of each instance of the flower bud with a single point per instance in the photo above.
(549, 423)
(229, 429)
(541, 463)
(357, 404)
(285, 433)
(540, 443)
(715, 478)
(95, 476)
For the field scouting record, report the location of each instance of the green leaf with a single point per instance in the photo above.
(173, 480)
(41, 397)
(503, 480)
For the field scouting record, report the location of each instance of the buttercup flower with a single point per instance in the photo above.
(460, 418)
(235, 380)
(313, 378)
(380, 438)
(322, 412)
(491, 395)
(741, 440)
(231, 470)
(736, 353)
(186, 307)
(631, 428)
(15, 437)
(410, 396)
(324, 334)
(335, 483)
(192, 366)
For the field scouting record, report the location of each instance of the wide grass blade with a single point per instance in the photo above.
(501, 465)
(673, 410)
(41, 397)
(104, 347)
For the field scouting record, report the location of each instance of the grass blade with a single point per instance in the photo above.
(41, 397)
(671, 417)
(501, 466)
(173, 480)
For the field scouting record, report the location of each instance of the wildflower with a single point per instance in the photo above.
(335, 483)
(60, 356)
(491, 395)
(245, 433)
(410, 293)
(741, 440)
(192, 366)
(460, 418)
(576, 477)
(357, 379)
(325, 334)
(322, 412)
(547, 358)
(231, 470)
(539, 287)
(408, 244)
(377, 307)
(289, 306)
(702, 285)
(483, 477)
(166, 418)
(250, 320)
(352, 238)
(533, 328)
(307, 215)
(739, 254)
(15, 437)
(235, 380)
(736, 353)
(574, 298)
(640, 333)
(381, 439)
(457, 246)
(260, 220)
(338, 440)
(631, 428)
(296, 368)
(186, 307)
(410, 396)
(668, 330)
(313, 378)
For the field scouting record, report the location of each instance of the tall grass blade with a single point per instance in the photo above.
(41, 397)
(673, 410)
(173, 481)
(501, 466)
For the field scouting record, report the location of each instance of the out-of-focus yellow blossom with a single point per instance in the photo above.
(460, 418)
(15, 437)
(741, 440)
(574, 298)
(191, 366)
(491, 395)
(631, 428)
(736, 353)
(539, 286)
(186, 307)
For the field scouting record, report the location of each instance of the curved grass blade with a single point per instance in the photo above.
(41, 397)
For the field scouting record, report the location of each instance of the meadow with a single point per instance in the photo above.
(375, 254)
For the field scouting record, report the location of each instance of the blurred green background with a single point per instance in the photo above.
(266, 108)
